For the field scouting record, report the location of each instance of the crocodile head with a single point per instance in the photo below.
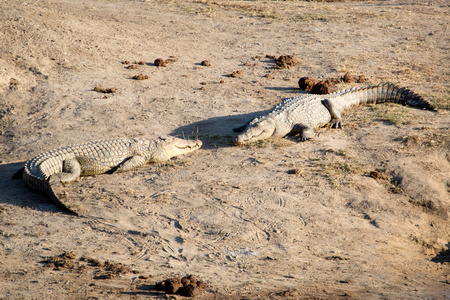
(173, 146)
(260, 130)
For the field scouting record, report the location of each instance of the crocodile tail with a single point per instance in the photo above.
(390, 92)
(44, 187)
(57, 201)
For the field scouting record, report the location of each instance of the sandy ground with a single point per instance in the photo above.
(357, 213)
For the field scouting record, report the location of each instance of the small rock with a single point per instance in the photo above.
(106, 91)
(171, 60)
(185, 281)
(306, 83)
(347, 78)
(132, 67)
(237, 74)
(141, 77)
(14, 84)
(375, 174)
(321, 88)
(330, 82)
(159, 62)
(294, 171)
(287, 61)
(187, 286)
(201, 285)
(361, 79)
(271, 56)
(192, 278)
(205, 63)
(160, 286)
(172, 285)
(189, 291)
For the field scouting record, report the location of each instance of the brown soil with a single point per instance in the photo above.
(105, 91)
(306, 83)
(141, 77)
(287, 61)
(159, 62)
(237, 74)
(356, 213)
(322, 88)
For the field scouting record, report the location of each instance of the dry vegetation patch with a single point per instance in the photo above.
(100, 269)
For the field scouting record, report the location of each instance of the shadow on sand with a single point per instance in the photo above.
(217, 131)
(214, 132)
(15, 192)
(443, 256)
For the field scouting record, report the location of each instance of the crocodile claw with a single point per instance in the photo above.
(337, 124)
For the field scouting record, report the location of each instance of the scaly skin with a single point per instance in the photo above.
(300, 115)
(48, 170)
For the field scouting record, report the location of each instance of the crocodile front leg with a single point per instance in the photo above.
(131, 163)
(303, 131)
(71, 171)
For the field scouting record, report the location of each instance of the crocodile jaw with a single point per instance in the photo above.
(174, 146)
(256, 132)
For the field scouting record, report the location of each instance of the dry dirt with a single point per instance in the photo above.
(357, 213)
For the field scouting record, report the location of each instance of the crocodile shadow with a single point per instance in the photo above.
(14, 192)
(216, 131)
(443, 256)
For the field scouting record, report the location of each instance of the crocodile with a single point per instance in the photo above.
(300, 115)
(46, 171)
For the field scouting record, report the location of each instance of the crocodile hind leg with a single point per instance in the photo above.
(304, 132)
(336, 119)
(71, 171)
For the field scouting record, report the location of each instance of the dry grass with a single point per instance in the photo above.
(270, 10)
(276, 143)
(424, 139)
(440, 98)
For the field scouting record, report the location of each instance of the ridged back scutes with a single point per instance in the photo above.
(45, 164)
(383, 92)
(305, 108)
(110, 151)
(390, 88)
(408, 97)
